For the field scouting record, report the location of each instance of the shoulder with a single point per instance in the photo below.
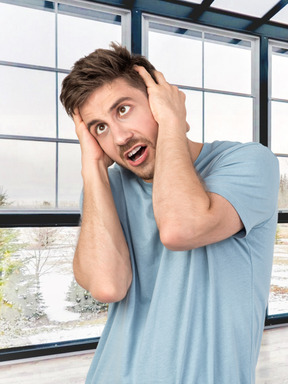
(242, 167)
(224, 148)
(234, 153)
(251, 149)
(255, 158)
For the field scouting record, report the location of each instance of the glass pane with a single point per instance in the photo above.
(179, 58)
(283, 192)
(279, 127)
(27, 174)
(246, 7)
(70, 181)
(78, 37)
(281, 16)
(66, 124)
(27, 35)
(228, 118)
(278, 300)
(227, 67)
(27, 102)
(280, 76)
(39, 311)
(194, 110)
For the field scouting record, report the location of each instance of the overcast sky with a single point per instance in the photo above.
(28, 101)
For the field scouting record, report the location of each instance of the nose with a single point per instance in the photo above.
(121, 134)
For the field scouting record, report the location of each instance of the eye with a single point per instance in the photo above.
(123, 110)
(101, 128)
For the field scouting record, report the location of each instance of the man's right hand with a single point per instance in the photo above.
(91, 150)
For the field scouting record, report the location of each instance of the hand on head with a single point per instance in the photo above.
(166, 101)
(90, 148)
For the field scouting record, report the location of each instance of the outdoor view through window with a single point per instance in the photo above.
(40, 302)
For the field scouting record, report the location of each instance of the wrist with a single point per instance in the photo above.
(172, 129)
(93, 171)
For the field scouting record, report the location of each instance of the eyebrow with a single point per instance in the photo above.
(113, 106)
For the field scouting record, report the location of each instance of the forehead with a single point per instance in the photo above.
(112, 91)
(104, 100)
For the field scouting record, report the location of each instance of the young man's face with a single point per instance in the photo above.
(119, 117)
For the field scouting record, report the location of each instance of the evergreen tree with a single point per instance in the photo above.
(10, 280)
(81, 300)
(8, 264)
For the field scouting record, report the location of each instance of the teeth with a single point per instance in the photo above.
(135, 150)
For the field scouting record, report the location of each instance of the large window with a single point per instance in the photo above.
(278, 107)
(278, 95)
(40, 301)
(39, 151)
(217, 70)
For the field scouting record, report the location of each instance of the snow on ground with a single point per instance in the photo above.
(61, 324)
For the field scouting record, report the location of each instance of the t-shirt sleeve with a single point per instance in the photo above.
(248, 177)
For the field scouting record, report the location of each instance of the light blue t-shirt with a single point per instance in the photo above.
(197, 316)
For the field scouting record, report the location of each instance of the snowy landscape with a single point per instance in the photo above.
(59, 310)
(278, 300)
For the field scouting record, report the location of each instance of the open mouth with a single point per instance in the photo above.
(136, 153)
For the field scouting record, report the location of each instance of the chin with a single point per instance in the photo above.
(144, 175)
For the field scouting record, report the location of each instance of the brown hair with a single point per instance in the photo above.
(101, 67)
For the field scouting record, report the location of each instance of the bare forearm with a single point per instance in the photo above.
(186, 214)
(101, 262)
(179, 196)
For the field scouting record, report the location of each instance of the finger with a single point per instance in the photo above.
(80, 127)
(160, 77)
(183, 94)
(187, 127)
(148, 80)
(77, 117)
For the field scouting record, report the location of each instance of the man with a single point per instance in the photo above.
(178, 235)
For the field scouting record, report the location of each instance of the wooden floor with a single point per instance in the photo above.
(272, 365)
